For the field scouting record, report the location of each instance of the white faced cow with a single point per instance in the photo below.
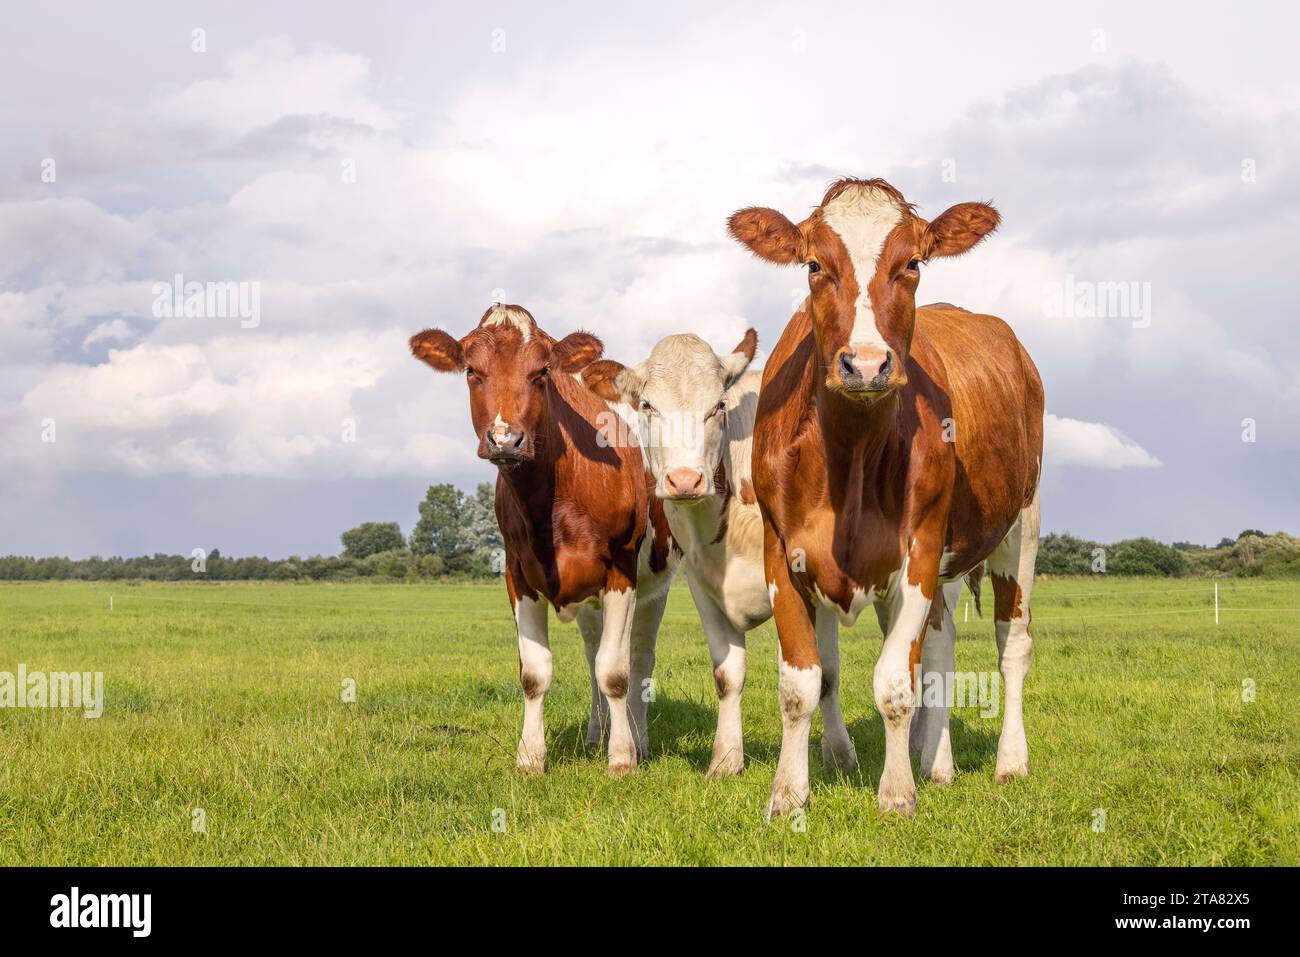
(695, 416)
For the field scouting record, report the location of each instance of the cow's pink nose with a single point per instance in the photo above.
(864, 366)
(684, 483)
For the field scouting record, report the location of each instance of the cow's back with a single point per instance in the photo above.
(996, 399)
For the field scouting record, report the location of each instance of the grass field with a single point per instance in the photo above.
(226, 698)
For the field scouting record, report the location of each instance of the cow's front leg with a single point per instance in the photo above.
(535, 677)
(613, 669)
(799, 682)
(727, 651)
(894, 679)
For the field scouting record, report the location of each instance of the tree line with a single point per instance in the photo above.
(456, 537)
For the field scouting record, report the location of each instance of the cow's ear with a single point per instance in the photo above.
(438, 349)
(768, 234)
(612, 381)
(957, 229)
(576, 351)
(740, 358)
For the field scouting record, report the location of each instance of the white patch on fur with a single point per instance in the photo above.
(863, 218)
(861, 599)
(500, 315)
(798, 690)
(535, 664)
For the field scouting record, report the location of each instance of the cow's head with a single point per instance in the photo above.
(863, 247)
(507, 361)
(679, 393)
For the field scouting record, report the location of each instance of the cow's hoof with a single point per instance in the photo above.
(897, 802)
(939, 775)
(531, 765)
(782, 802)
(619, 769)
(843, 759)
(1010, 772)
(726, 762)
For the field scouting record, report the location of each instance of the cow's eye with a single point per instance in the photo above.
(471, 373)
(647, 408)
(540, 377)
(720, 408)
(914, 265)
(813, 266)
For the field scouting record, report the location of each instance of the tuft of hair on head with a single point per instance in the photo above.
(869, 187)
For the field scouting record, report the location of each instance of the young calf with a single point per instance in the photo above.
(695, 418)
(574, 515)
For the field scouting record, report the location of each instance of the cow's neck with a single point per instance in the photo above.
(704, 521)
(861, 443)
(531, 484)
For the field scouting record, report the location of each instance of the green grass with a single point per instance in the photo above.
(227, 698)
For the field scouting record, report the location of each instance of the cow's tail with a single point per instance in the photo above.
(973, 579)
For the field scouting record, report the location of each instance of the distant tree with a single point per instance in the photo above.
(1144, 556)
(457, 528)
(371, 538)
(484, 532)
(443, 528)
(1226, 543)
(1063, 554)
(1251, 532)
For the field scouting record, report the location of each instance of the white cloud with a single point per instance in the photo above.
(597, 198)
(1095, 445)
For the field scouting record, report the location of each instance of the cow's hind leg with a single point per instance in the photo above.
(589, 623)
(930, 736)
(1011, 569)
(837, 746)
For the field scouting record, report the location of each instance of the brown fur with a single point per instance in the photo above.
(861, 483)
(574, 512)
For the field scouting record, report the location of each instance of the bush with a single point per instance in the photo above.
(1144, 556)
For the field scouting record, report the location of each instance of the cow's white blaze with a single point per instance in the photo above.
(863, 218)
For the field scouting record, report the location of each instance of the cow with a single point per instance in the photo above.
(695, 418)
(896, 449)
(576, 519)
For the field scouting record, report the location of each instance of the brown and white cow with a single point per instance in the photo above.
(575, 517)
(895, 450)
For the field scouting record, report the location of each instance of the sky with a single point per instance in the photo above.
(358, 173)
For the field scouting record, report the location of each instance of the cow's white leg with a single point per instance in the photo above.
(652, 599)
(727, 651)
(613, 674)
(895, 696)
(799, 683)
(589, 624)
(1011, 571)
(930, 736)
(837, 746)
(535, 677)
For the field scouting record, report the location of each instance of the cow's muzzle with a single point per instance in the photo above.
(505, 446)
(866, 370)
